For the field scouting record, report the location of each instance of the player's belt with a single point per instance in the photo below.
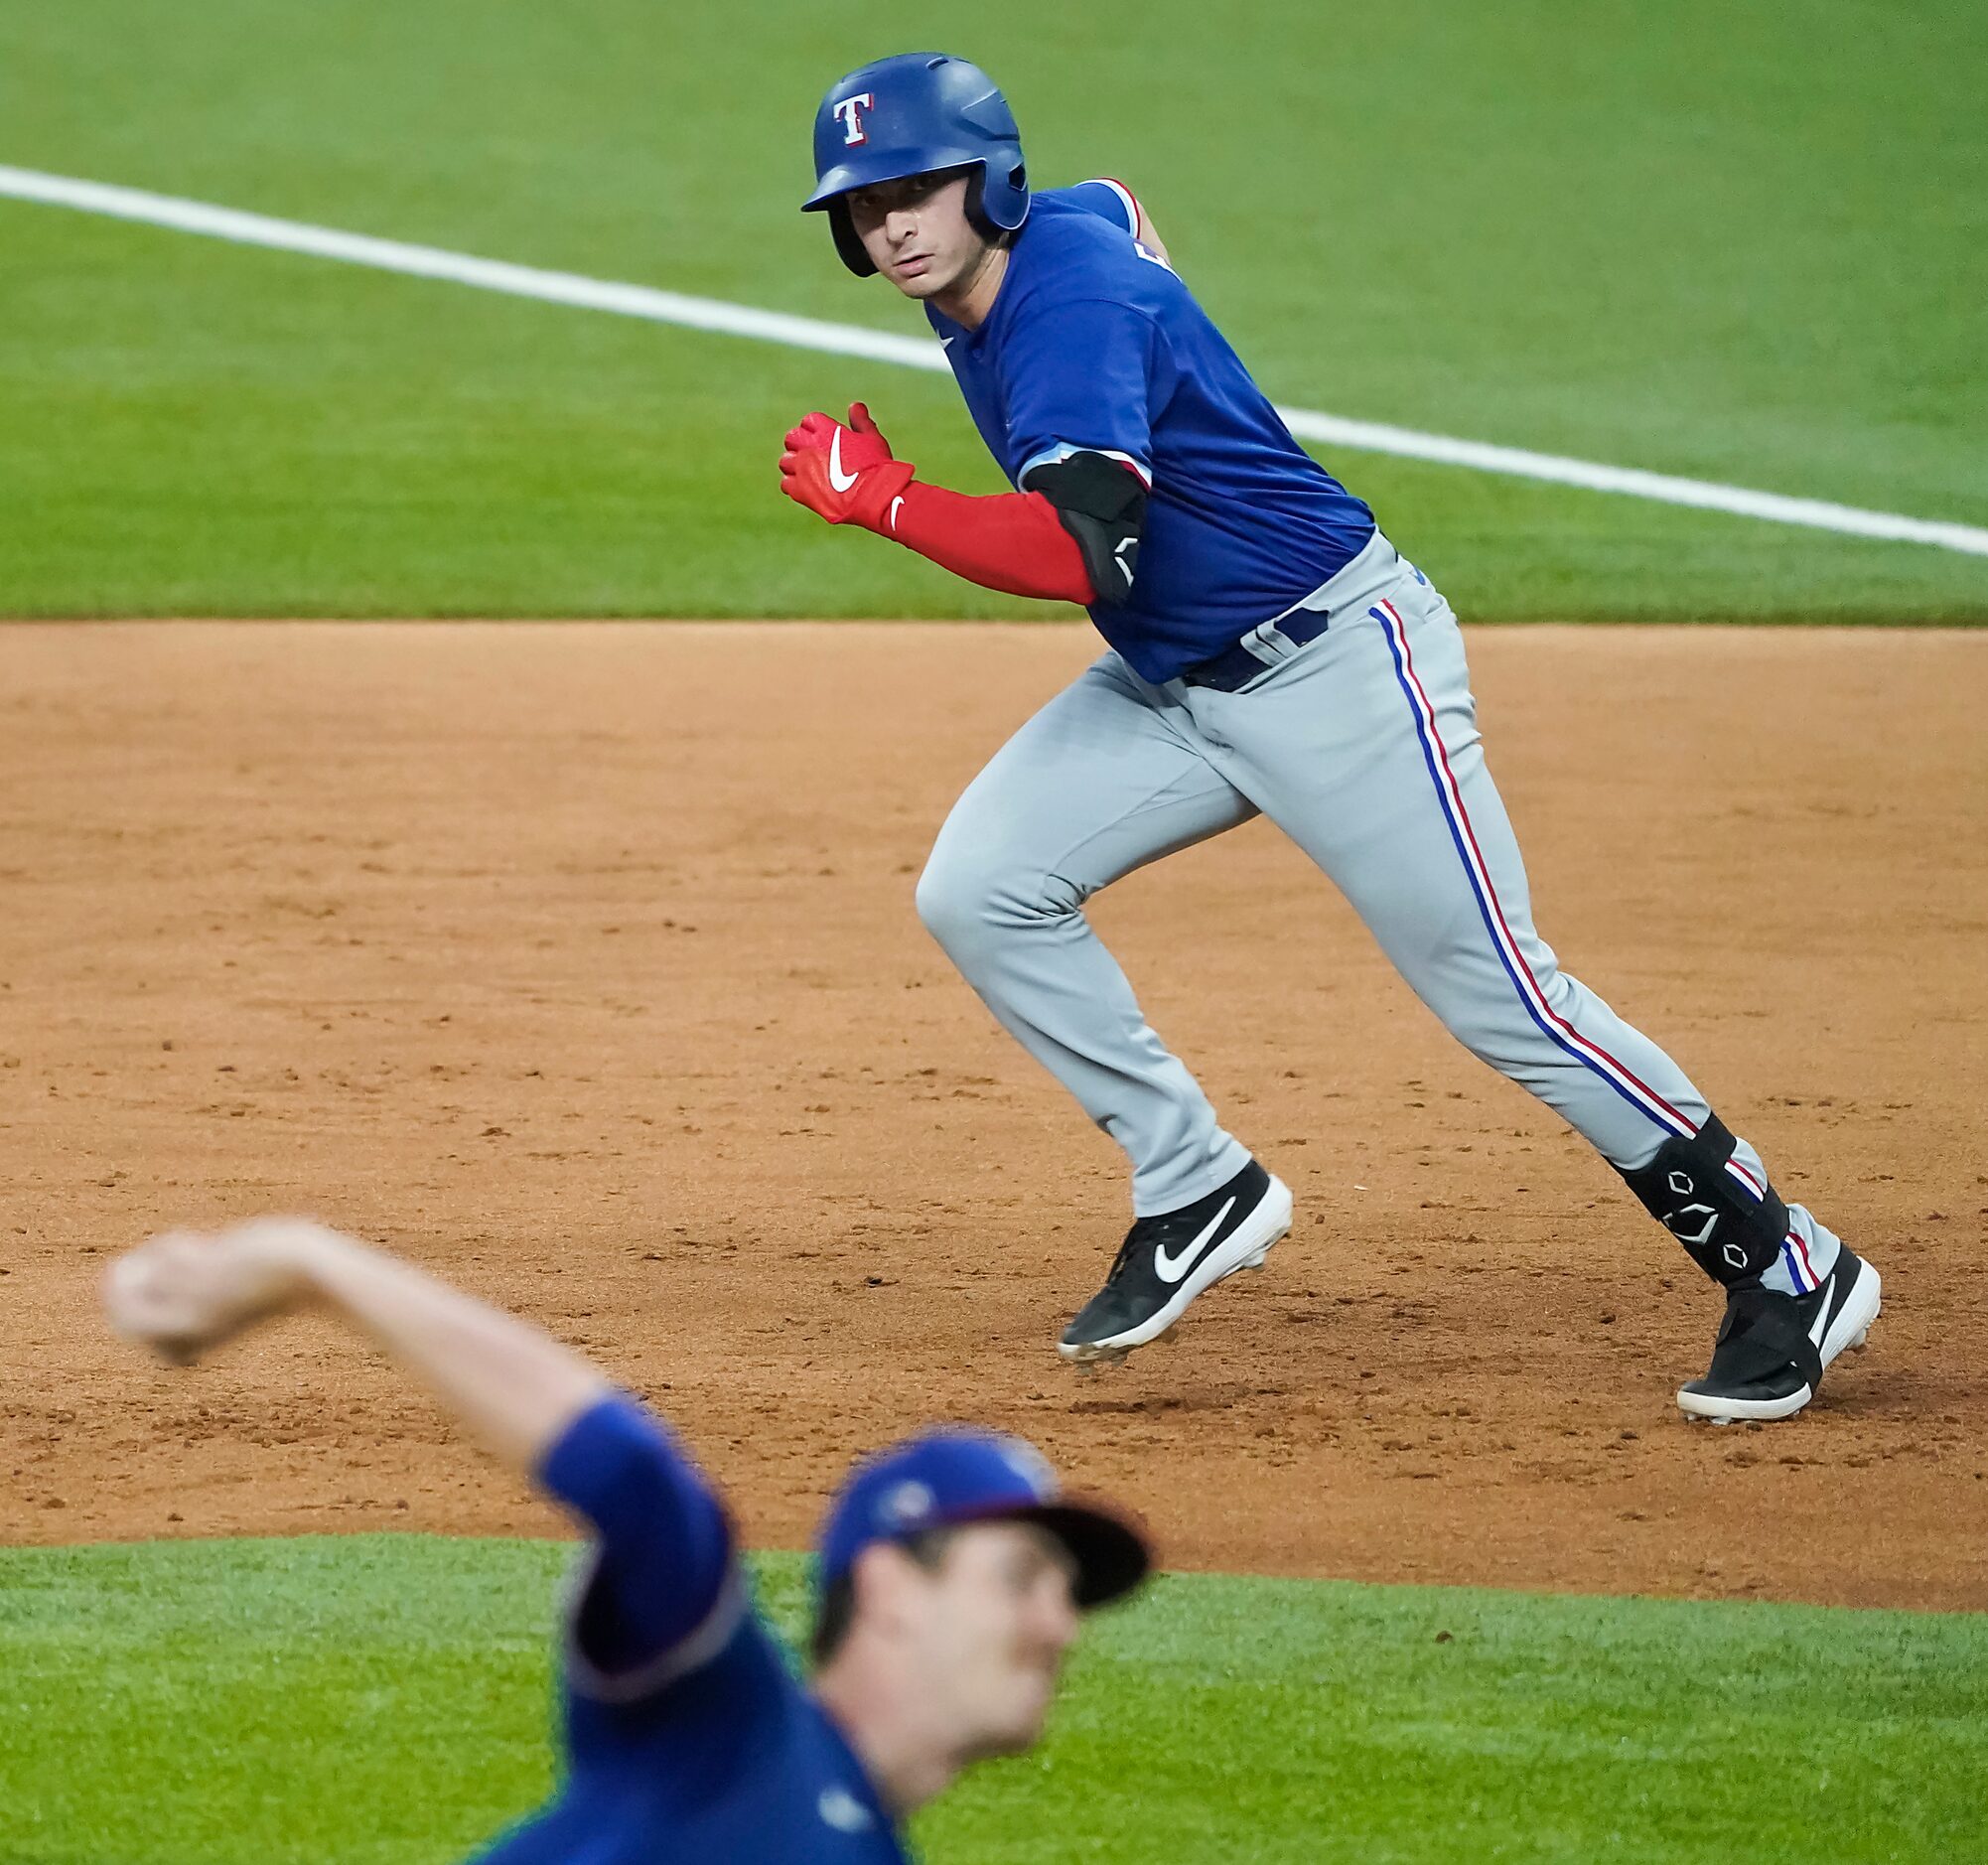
(1238, 664)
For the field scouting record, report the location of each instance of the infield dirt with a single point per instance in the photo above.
(579, 962)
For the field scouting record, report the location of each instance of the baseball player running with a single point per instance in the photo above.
(952, 1577)
(1270, 652)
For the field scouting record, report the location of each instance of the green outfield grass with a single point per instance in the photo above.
(376, 1699)
(1743, 243)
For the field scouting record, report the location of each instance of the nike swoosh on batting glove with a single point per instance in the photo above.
(845, 473)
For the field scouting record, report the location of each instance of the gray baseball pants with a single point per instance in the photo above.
(1362, 747)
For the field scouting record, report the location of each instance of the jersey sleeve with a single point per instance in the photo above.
(663, 1594)
(1107, 199)
(1078, 378)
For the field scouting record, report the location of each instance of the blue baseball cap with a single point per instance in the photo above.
(952, 1476)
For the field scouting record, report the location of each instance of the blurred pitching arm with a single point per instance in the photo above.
(513, 1386)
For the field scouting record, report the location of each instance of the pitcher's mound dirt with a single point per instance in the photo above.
(580, 962)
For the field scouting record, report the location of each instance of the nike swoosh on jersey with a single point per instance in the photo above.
(895, 503)
(1173, 1268)
(838, 479)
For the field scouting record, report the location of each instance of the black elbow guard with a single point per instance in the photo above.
(1102, 505)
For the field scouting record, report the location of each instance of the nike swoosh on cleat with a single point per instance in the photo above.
(838, 479)
(1173, 1268)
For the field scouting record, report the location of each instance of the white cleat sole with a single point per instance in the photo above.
(1245, 1249)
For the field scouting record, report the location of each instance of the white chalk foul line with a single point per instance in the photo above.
(917, 352)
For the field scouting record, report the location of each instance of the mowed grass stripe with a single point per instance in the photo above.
(193, 428)
(211, 221)
(386, 1698)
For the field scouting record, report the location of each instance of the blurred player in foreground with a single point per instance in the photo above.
(952, 1577)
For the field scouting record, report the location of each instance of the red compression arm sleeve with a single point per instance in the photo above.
(1012, 541)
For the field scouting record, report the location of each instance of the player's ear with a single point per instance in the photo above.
(880, 1583)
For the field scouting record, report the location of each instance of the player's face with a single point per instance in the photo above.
(917, 234)
(994, 1625)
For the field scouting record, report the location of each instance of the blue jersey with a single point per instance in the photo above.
(686, 1736)
(1094, 344)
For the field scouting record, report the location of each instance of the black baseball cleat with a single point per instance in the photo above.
(1166, 1261)
(1771, 1349)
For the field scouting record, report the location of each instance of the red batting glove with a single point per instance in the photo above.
(847, 475)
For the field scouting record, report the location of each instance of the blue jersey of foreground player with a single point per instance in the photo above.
(1094, 344)
(687, 1738)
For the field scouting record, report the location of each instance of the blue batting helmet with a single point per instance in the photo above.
(910, 115)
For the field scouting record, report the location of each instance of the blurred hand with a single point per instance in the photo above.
(183, 1292)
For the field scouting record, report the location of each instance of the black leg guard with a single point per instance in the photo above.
(1730, 1234)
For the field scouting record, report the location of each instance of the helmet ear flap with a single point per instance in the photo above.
(1007, 190)
(976, 201)
(1014, 186)
(846, 243)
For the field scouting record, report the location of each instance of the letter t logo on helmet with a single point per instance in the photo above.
(853, 131)
(919, 113)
